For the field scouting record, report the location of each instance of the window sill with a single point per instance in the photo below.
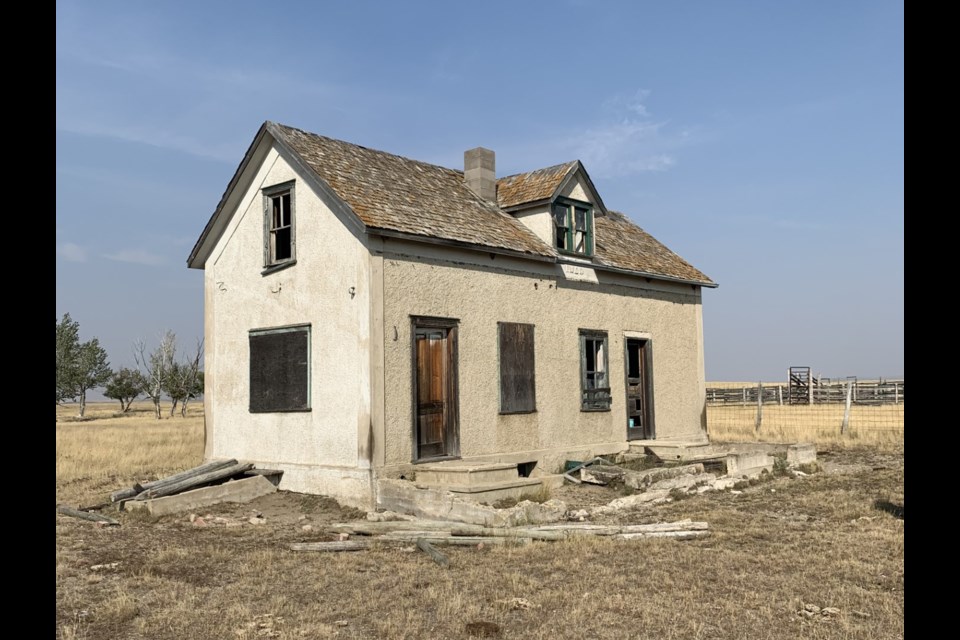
(308, 410)
(280, 266)
(586, 410)
(517, 413)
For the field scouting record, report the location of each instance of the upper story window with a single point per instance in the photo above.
(279, 243)
(573, 221)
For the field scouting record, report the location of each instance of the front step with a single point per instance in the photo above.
(487, 483)
(445, 475)
(696, 451)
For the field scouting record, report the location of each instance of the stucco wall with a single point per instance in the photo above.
(320, 450)
(479, 290)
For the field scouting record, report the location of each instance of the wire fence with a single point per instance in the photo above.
(838, 410)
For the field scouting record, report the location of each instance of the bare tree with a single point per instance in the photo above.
(156, 367)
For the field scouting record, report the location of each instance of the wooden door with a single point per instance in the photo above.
(435, 392)
(639, 390)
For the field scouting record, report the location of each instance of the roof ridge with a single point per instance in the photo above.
(360, 146)
(553, 166)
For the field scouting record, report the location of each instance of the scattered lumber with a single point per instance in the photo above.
(368, 528)
(569, 474)
(169, 489)
(126, 494)
(424, 545)
(453, 533)
(342, 545)
(86, 515)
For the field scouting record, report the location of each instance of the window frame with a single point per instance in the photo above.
(570, 230)
(530, 369)
(270, 262)
(252, 333)
(595, 398)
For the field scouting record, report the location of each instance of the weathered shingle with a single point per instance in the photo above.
(622, 244)
(391, 192)
(532, 186)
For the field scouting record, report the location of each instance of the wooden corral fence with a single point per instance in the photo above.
(822, 391)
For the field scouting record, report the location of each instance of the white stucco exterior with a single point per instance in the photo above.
(327, 288)
(358, 292)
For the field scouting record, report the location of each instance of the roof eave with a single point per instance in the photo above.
(655, 276)
(457, 244)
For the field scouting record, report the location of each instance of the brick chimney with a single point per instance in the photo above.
(480, 172)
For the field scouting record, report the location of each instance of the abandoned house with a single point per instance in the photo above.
(371, 317)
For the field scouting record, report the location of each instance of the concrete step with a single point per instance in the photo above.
(517, 489)
(682, 452)
(448, 475)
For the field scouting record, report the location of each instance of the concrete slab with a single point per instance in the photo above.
(435, 504)
(748, 463)
(241, 491)
(459, 474)
(802, 453)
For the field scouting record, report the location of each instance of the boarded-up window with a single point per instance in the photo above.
(594, 371)
(280, 370)
(517, 387)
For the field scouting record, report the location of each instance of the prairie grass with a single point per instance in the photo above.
(779, 545)
(877, 426)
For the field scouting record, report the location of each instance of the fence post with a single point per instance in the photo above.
(743, 402)
(846, 409)
(896, 393)
(810, 389)
(759, 405)
(779, 394)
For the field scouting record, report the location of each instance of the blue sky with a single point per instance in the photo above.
(762, 141)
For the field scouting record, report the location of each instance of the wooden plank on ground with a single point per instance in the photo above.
(196, 481)
(126, 494)
(344, 545)
(240, 491)
(424, 545)
(86, 515)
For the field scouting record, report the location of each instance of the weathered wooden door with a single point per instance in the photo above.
(639, 390)
(436, 392)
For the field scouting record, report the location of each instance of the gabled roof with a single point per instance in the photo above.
(391, 192)
(623, 245)
(393, 195)
(533, 186)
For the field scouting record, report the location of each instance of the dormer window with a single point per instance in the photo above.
(573, 224)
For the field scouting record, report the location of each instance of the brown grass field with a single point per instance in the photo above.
(830, 539)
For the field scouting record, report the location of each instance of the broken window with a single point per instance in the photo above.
(517, 384)
(594, 374)
(573, 224)
(279, 240)
(280, 369)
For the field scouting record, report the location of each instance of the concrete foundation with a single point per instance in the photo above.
(802, 453)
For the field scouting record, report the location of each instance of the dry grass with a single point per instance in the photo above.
(784, 543)
(879, 426)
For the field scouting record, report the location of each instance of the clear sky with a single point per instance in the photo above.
(761, 141)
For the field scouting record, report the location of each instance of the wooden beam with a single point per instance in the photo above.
(126, 494)
(345, 545)
(435, 555)
(86, 515)
(196, 481)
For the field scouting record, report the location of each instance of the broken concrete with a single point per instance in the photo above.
(801, 453)
(748, 463)
(404, 497)
(240, 491)
(648, 477)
